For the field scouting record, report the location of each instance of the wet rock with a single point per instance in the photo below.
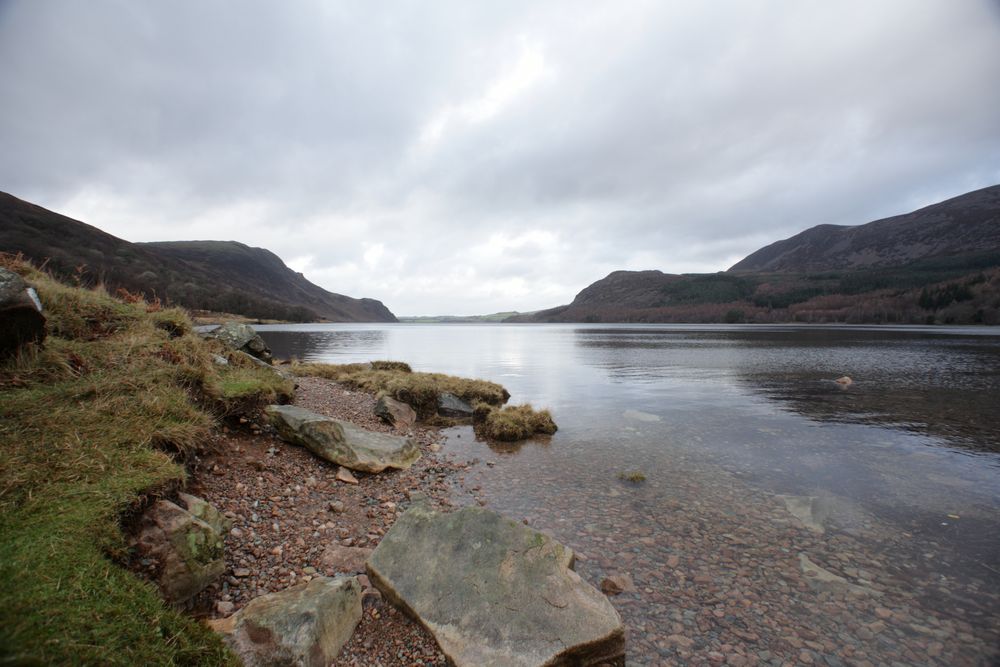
(395, 413)
(344, 560)
(21, 318)
(306, 624)
(242, 337)
(188, 551)
(342, 442)
(452, 406)
(494, 592)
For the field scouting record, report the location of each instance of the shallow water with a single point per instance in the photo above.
(721, 420)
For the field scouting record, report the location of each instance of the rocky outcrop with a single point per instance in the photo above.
(21, 319)
(342, 442)
(494, 592)
(187, 549)
(306, 624)
(242, 337)
(452, 406)
(395, 413)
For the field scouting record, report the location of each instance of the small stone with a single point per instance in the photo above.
(241, 572)
(337, 506)
(883, 613)
(344, 475)
(225, 608)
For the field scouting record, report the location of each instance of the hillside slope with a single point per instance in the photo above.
(938, 264)
(964, 225)
(212, 275)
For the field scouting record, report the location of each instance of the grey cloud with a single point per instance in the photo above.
(644, 135)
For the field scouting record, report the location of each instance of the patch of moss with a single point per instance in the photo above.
(511, 423)
(633, 476)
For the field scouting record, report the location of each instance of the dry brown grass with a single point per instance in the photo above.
(419, 390)
(512, 423)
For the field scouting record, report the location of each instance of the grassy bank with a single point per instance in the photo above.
(91, 424)
(419, 390)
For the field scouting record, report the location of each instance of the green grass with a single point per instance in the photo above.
(512, 423)
(419, 390)
(89, 425)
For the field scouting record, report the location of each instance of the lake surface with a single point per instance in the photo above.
(901, 470)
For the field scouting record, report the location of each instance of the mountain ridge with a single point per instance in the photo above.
(938, 264)
(226, 276)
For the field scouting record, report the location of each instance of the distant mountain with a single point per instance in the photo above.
(964, 225)
(222, 276)
(938, 264)
(458, 319)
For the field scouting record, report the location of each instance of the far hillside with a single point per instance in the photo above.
(940, 264)
(224, 276)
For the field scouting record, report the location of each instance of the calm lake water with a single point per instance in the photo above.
(723, 420)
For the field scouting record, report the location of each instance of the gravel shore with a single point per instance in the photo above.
(287, 508)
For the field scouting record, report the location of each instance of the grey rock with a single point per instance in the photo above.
(189, 551)
(239, 336)
(494, 592)
(395, 413)
(342, 442)
(204, 510)
(452, 406)
(21, 318)
(344, 560)
(306, 624)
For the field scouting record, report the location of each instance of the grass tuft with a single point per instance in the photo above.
(511, 423)
(419, 390)
(633, 476)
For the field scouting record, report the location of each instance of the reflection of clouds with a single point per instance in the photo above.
(916, 380)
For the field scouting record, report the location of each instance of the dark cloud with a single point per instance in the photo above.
(455, 157)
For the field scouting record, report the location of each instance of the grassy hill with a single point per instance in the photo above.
(223, 276)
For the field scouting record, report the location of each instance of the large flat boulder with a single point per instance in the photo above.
(21, 319)
(188, 551)
(306, 624)
(494, 592)
(341, 442)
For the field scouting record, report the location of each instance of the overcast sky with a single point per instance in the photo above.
(468, 157)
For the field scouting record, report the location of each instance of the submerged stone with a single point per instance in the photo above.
(494, 592)
(342, 442)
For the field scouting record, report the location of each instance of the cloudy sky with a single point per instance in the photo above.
(470, 157)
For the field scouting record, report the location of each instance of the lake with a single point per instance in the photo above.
(783, 516)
